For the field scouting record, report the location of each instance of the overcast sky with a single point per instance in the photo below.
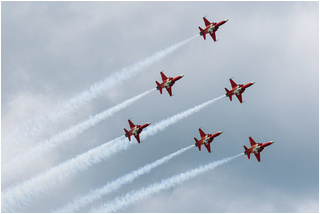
(51, 51)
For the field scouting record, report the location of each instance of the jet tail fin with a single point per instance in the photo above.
(247, 152)
(202, 33)
(127, 134)
(228, 94)
(197, 144)
(159, 87)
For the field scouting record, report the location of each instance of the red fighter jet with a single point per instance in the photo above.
(167, 83)
(135, 130)
(237, 89)
(211, 28)
(256, 148)
(206, 139)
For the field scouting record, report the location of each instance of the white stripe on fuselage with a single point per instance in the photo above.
(256, 149)
(206, 139)
(135, 130)
(167, 84)
(211, 28)
(237, 90)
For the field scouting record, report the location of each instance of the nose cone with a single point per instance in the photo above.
(271, 142)
(253, 83)
(218, 133)
(226, 20)
(181, 75)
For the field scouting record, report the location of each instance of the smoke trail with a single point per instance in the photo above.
(116, 78)
(160, 126)
(20, 194)
(15, 165)
(137, 195)
(35, 126)
(116, 184)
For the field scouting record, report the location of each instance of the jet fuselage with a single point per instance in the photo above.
(206, 139)
(256, 148)
(213, 27)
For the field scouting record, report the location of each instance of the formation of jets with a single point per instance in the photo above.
(237, 90)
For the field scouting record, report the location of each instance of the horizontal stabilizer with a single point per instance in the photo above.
(159, 87)
(247, 152)
(228, 94)
(127, 134)
(197, 144)
(202, 33)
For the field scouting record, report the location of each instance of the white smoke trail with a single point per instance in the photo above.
(19, 162)
(160, 126)
(20, 194)
(35, 126)
(116, 184)
(137, 195)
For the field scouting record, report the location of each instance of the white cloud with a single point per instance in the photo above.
(61, 48)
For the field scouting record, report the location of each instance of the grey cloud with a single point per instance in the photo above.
(53, 50)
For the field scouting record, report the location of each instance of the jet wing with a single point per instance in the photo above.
(163, 76)
(169, 90)
(208, 147)
(131, 124)
(233, 84)
(137, 137)
(206, 22)
(213, 35)
(239, 97)
(257, 156)
(202, 134)
(252, 142)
